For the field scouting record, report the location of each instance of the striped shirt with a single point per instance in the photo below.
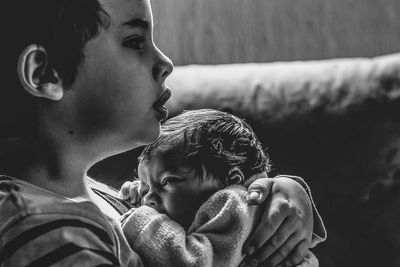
(41, 228)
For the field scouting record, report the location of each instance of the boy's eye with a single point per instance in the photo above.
(135, 42)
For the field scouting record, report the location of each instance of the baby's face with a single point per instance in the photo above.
(174, 190)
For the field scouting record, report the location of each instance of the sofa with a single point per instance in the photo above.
(335, 122)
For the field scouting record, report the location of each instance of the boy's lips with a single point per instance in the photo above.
(161, 110)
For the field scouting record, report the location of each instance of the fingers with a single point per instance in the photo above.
(282, 253)
(124, 191)
(285, 229)
(280, 245)
(271, 220)
(298, 254)
(291, 253)
(134, 192)
(259, 190)
(130, 191)
(282, 228)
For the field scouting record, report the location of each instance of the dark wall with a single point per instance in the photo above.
(230, 31)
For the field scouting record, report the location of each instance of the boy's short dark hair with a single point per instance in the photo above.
(62, 27)
(215, 139)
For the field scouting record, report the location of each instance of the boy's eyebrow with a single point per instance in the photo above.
(135, 22)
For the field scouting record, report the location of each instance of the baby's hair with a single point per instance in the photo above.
(214, 139)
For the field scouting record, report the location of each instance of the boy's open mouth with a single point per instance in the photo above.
(162, 112)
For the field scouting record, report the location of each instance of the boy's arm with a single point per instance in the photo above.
(319, 230)
(215, 238)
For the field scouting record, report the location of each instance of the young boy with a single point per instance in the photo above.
(195, 211)
(82, 80)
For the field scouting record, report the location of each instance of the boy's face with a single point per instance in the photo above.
(174, 190)
(120, 79)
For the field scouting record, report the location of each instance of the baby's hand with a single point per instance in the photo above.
(130, 191)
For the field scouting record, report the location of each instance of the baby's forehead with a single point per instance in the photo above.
(161, 164)
(171, 157)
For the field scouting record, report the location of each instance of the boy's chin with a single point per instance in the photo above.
(150, 135)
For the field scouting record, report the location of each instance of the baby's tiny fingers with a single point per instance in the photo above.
(134, 192)
(124, 191)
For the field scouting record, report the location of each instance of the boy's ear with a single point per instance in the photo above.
(235, 176)
(36, 76)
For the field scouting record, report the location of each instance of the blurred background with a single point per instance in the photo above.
(232, 31)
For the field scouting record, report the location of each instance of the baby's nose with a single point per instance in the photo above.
(151, 200)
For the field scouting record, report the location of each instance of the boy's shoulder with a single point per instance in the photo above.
(19, 199)
(39, 221)
(17, 196)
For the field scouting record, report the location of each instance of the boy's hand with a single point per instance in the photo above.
(130, 191)
(283, 235)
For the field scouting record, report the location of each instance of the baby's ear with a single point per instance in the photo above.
(235, 176)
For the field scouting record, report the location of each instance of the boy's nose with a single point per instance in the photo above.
(163, 68)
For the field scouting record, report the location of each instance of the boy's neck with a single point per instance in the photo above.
(54, 167)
